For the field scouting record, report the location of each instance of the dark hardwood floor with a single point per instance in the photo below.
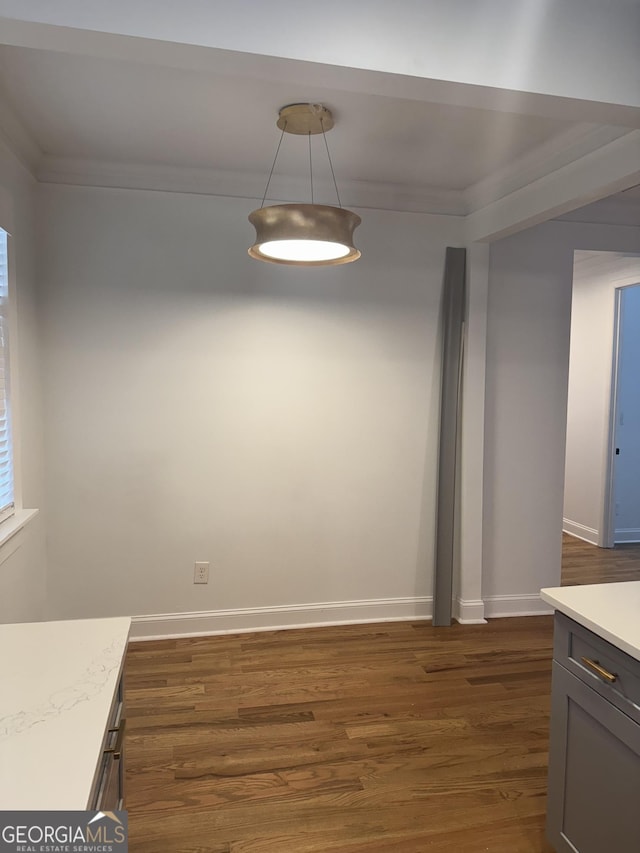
(585, 563)
(395, 737)
(392, 737)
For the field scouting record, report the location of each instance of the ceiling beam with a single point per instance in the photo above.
(608, 170)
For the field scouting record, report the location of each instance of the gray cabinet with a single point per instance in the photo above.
(594, 756)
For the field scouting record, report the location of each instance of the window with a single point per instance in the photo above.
(7, 506)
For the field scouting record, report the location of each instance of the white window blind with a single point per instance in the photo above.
(6, 451)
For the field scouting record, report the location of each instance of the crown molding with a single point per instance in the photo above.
(602, 172)
(365, 194)
(605, 212)
(545, 159)
(554, 154)
(620, 209)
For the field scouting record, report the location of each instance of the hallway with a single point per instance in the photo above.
(584, 563)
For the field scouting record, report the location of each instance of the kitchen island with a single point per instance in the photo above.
(594, 752)
(61, 722)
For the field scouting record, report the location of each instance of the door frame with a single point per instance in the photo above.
(606, 536)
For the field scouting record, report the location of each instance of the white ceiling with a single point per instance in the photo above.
(88, 114)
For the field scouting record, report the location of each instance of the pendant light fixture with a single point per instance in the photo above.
(308, 235)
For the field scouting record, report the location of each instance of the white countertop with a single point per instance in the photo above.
(610, 610)
(57, 683)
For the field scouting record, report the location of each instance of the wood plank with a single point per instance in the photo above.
(354, 739)
(584, 563)
(333, 739)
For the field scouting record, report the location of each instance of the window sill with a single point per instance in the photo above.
(15, 523)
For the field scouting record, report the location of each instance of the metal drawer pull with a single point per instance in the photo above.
(609, 677)
(116, 749)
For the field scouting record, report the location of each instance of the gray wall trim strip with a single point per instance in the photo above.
(448, 461)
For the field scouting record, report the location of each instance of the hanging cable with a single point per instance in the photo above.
(310, 167)
(273, 165)
(324, 136)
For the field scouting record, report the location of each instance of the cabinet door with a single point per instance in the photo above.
(594, 771)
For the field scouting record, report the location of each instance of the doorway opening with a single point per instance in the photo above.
(602, 467)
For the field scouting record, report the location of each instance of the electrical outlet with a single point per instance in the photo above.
(201, 573)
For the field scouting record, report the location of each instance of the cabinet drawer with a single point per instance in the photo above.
(607, 670)
(110, 795)
(108, 786)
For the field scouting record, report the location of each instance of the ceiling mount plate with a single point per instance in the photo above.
(305, 119)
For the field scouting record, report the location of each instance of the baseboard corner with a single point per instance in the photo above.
(580, 531)
(469, 612)
(503, 606)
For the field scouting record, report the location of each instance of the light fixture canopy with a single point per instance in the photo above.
(304, 234)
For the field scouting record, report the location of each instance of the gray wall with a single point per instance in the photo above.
(22, 559)
(281, 424)
(527, 378)
(199, 406)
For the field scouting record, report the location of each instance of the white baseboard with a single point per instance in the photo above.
(580, 531)
(469, 612)
(164, 626)
(627, 534)
(498, 606)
